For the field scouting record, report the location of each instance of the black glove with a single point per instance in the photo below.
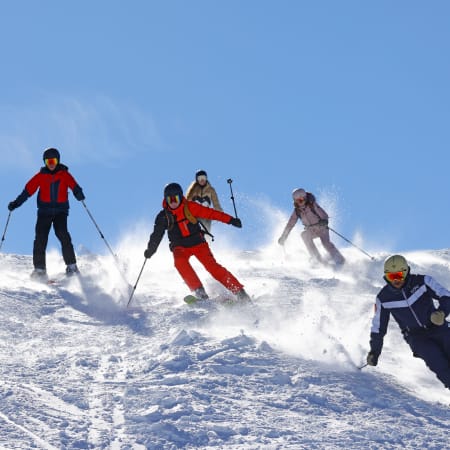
(80, 196)
(12, 205)
(372, 359)
(323, 222)
(235, 222)
(148, 253)
(78, 193)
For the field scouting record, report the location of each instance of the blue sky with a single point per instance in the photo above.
(349, 99)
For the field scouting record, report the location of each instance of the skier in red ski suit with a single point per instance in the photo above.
(186, 237)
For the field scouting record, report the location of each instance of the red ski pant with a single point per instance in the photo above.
(203, 253)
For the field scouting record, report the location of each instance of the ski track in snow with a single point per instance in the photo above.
(81, 371)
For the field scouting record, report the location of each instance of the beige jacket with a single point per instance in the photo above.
(206, 195)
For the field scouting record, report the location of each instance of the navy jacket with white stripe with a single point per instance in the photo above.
(411, 306)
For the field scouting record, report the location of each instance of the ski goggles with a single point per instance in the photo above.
(202, 178)
(51, 161)
(173, 199)
(396, 276)
(300, 200)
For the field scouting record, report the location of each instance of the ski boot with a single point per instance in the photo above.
(201, 294)
(243, 297)
(72, 269)
(39, 274)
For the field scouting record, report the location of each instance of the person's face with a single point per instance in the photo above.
(51, 163)
(299, 201)
(173, 201)
(396, 279)
(201, 180)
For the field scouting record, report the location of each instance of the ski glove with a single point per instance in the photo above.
(13, 205)
(235, 222)
(78, 193)
(148, 253)
(323, 222)
(281, 241)
(437, 317)
(372, 359)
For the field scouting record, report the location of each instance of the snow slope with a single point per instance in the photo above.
(80, 371)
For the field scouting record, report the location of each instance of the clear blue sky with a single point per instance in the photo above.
(350, 98)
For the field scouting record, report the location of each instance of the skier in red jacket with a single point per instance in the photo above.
(179, 218)
(53, 181)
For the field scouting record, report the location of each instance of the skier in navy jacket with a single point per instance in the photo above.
(409, 298)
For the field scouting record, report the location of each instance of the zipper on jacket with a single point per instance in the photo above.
(412, 310)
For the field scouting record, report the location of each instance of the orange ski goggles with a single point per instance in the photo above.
(396, 276)
(51, 161)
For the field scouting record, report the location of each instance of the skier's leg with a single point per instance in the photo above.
(435, 358)
(330, 247)
(222, 275)
(310, 246)
(42, 229)
(181, 262)
(60, 227)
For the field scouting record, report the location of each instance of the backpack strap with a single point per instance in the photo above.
(204, 230)
(189, 216)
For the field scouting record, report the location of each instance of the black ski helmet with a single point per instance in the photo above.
(200, 173)
(51, 153)
(173, 189)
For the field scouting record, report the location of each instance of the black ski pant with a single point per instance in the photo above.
(43, 226)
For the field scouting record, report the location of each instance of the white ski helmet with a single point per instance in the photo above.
(298, 193)
(396, 263)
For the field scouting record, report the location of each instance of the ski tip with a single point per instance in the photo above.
(190, 299)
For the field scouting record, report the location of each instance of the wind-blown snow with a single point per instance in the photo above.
(81, 371)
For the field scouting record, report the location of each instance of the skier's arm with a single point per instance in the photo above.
(378, 331)
(21, 198)
(159, 229)
(30, 188)
(440, 293)
(208, 213)
(190, 191)
(76, 188)
(287, 229)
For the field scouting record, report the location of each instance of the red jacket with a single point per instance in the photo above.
(182, 225)
(53, 190)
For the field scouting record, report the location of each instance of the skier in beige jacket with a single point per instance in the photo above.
(201, 191)
(315, 221)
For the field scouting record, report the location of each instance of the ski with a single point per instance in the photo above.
(222, 300)
(190, 299)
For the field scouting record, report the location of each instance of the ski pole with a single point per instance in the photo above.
(4, 232)
(354, 245)
(98, 229)
(106, 242)
(229, 181)
(362, 367)
(137, 281)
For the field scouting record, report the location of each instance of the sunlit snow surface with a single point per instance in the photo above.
(81, 371)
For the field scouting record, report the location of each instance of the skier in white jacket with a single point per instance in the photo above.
(315, 220)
